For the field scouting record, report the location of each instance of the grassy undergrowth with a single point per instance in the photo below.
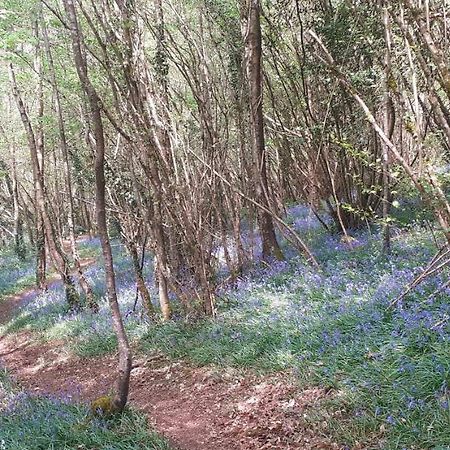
(44, 423)
(389, 368)
(15, 274)
(86, 334)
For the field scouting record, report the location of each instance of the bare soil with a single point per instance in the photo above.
(12, 303)
(195, 408)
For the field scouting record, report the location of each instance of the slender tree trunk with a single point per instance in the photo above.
(28, 223)
(165, 148)
(41, 253)
(162, 268)
(253, 43)
(125, 359)
(388, 129)
(19, 243)
(140, 283)
(35, 147)
(90, 298)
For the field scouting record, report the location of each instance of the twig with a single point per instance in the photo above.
(430, 270)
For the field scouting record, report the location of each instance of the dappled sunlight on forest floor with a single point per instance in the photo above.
(196, 408)
(296, 358)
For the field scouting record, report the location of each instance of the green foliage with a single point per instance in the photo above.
(332, 333)
(94, 345)
(353, 29)
(16, 273)
(39, 423)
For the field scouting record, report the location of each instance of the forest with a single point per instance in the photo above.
(224, 224)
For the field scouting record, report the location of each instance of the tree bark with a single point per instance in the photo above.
(90, 298)
(253, 44)
(125, 358)
(140, 283)
(19, 243)
(35, 147)
(388, 129)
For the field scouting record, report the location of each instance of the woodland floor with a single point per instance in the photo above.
(195, 408)
(249, 379)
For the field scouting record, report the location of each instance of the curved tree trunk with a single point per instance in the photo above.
(85, 286)
(125, 359)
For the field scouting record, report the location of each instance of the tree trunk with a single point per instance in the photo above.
(140, 283)
(41, 254)
(85, 286)
(125, 359)
(36, 152)
(162, 269)
(388, 129)
(162, 69)
(19, 244)
(253, 44)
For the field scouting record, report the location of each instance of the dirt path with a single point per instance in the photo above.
(196, 408)
(12, 303)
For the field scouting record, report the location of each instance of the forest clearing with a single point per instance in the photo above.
(224, 225)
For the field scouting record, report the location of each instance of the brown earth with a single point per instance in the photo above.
(195, 408)
(10, 305)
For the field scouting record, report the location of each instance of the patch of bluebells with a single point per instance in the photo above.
(48, 311)
(89, 245)
(304, 220)
(14, 272)
(357, 280)
(342, 315)
(333, 325)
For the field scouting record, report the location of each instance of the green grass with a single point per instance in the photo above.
(389, 371)
(15, 274)
(389, 374)
(39, 423)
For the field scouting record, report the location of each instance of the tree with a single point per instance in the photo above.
(90, 299)
(125, 359)
(35, 145)
(253, 49)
